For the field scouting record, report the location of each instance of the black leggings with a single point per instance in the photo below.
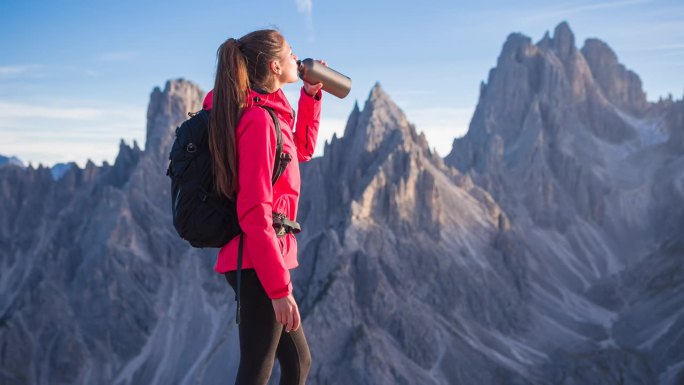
(262, 338)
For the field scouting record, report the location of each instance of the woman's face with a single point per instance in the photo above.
(287, 65)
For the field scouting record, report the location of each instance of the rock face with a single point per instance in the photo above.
(408, 268)
(590, 175)
(97, 288)
(619, 85)
(546, 248)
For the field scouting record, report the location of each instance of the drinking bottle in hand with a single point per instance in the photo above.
(313, 71)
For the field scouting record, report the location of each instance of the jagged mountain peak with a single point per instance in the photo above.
(380, 155)
(356, 107)
(380, 103)
(514, 48)
(546, 112)
(541, 90)
(179, 97)
(619, 85)
(599, 51)
(563, 40)
(377, 93)
(381, 123)
(519, 46)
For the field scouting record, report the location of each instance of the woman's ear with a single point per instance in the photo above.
(275, 67)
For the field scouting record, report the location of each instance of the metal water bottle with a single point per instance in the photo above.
(334, 82)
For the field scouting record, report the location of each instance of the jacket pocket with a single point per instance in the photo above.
(281, 243)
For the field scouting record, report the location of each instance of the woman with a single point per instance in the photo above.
(250, 73)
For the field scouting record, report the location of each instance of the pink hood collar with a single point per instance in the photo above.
(276, 101)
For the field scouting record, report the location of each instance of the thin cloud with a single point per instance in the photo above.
(50, 134)
(7, 72)
(305, 7)
(662, 47)
(441, 125)
(62, 151)
(565, 12)
(328, 128)
(23, 111)
(30, 119)
(39, 71)
(604, 5)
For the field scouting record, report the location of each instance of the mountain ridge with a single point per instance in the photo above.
(502, 263)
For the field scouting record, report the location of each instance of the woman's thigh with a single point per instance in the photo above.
(259, 331)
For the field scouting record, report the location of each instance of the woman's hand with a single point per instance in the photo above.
(312, 89)
(287, 312)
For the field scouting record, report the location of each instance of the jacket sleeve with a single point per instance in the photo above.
(306, 128)
(256, 144)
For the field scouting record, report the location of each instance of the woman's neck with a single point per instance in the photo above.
(268, 88)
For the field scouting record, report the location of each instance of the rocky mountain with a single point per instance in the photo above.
(544, 249)
(590, 175)
(58, 170)
(96, 286)
(407, 267)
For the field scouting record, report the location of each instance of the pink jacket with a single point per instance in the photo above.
(270, 256)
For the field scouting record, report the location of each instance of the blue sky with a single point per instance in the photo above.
(75, 76)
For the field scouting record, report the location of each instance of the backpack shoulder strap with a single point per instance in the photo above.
(278, 166)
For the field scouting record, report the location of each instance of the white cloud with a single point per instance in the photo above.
(51, 134)
(7, 72)
(441, 125)
(305, 7)
(11, 111)
(38, 71)
(667, 49)
(603, 5)
(49, 153)
(563, 11)
(327, 128)
(674, 46)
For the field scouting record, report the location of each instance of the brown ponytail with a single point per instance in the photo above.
(242, 64)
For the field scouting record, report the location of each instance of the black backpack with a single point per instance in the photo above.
(200, 216)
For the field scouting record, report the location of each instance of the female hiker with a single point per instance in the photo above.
(243, 140)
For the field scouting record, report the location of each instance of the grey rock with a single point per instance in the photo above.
(89, 274)
(620, 86)
(59, 169)
(589, 175)
(408, 243)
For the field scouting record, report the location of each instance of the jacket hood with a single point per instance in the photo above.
(275, 100)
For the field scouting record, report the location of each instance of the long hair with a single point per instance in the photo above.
(242, 63)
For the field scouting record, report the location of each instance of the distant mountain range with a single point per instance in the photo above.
(58, 170)
(10, 160)
(546, 248)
